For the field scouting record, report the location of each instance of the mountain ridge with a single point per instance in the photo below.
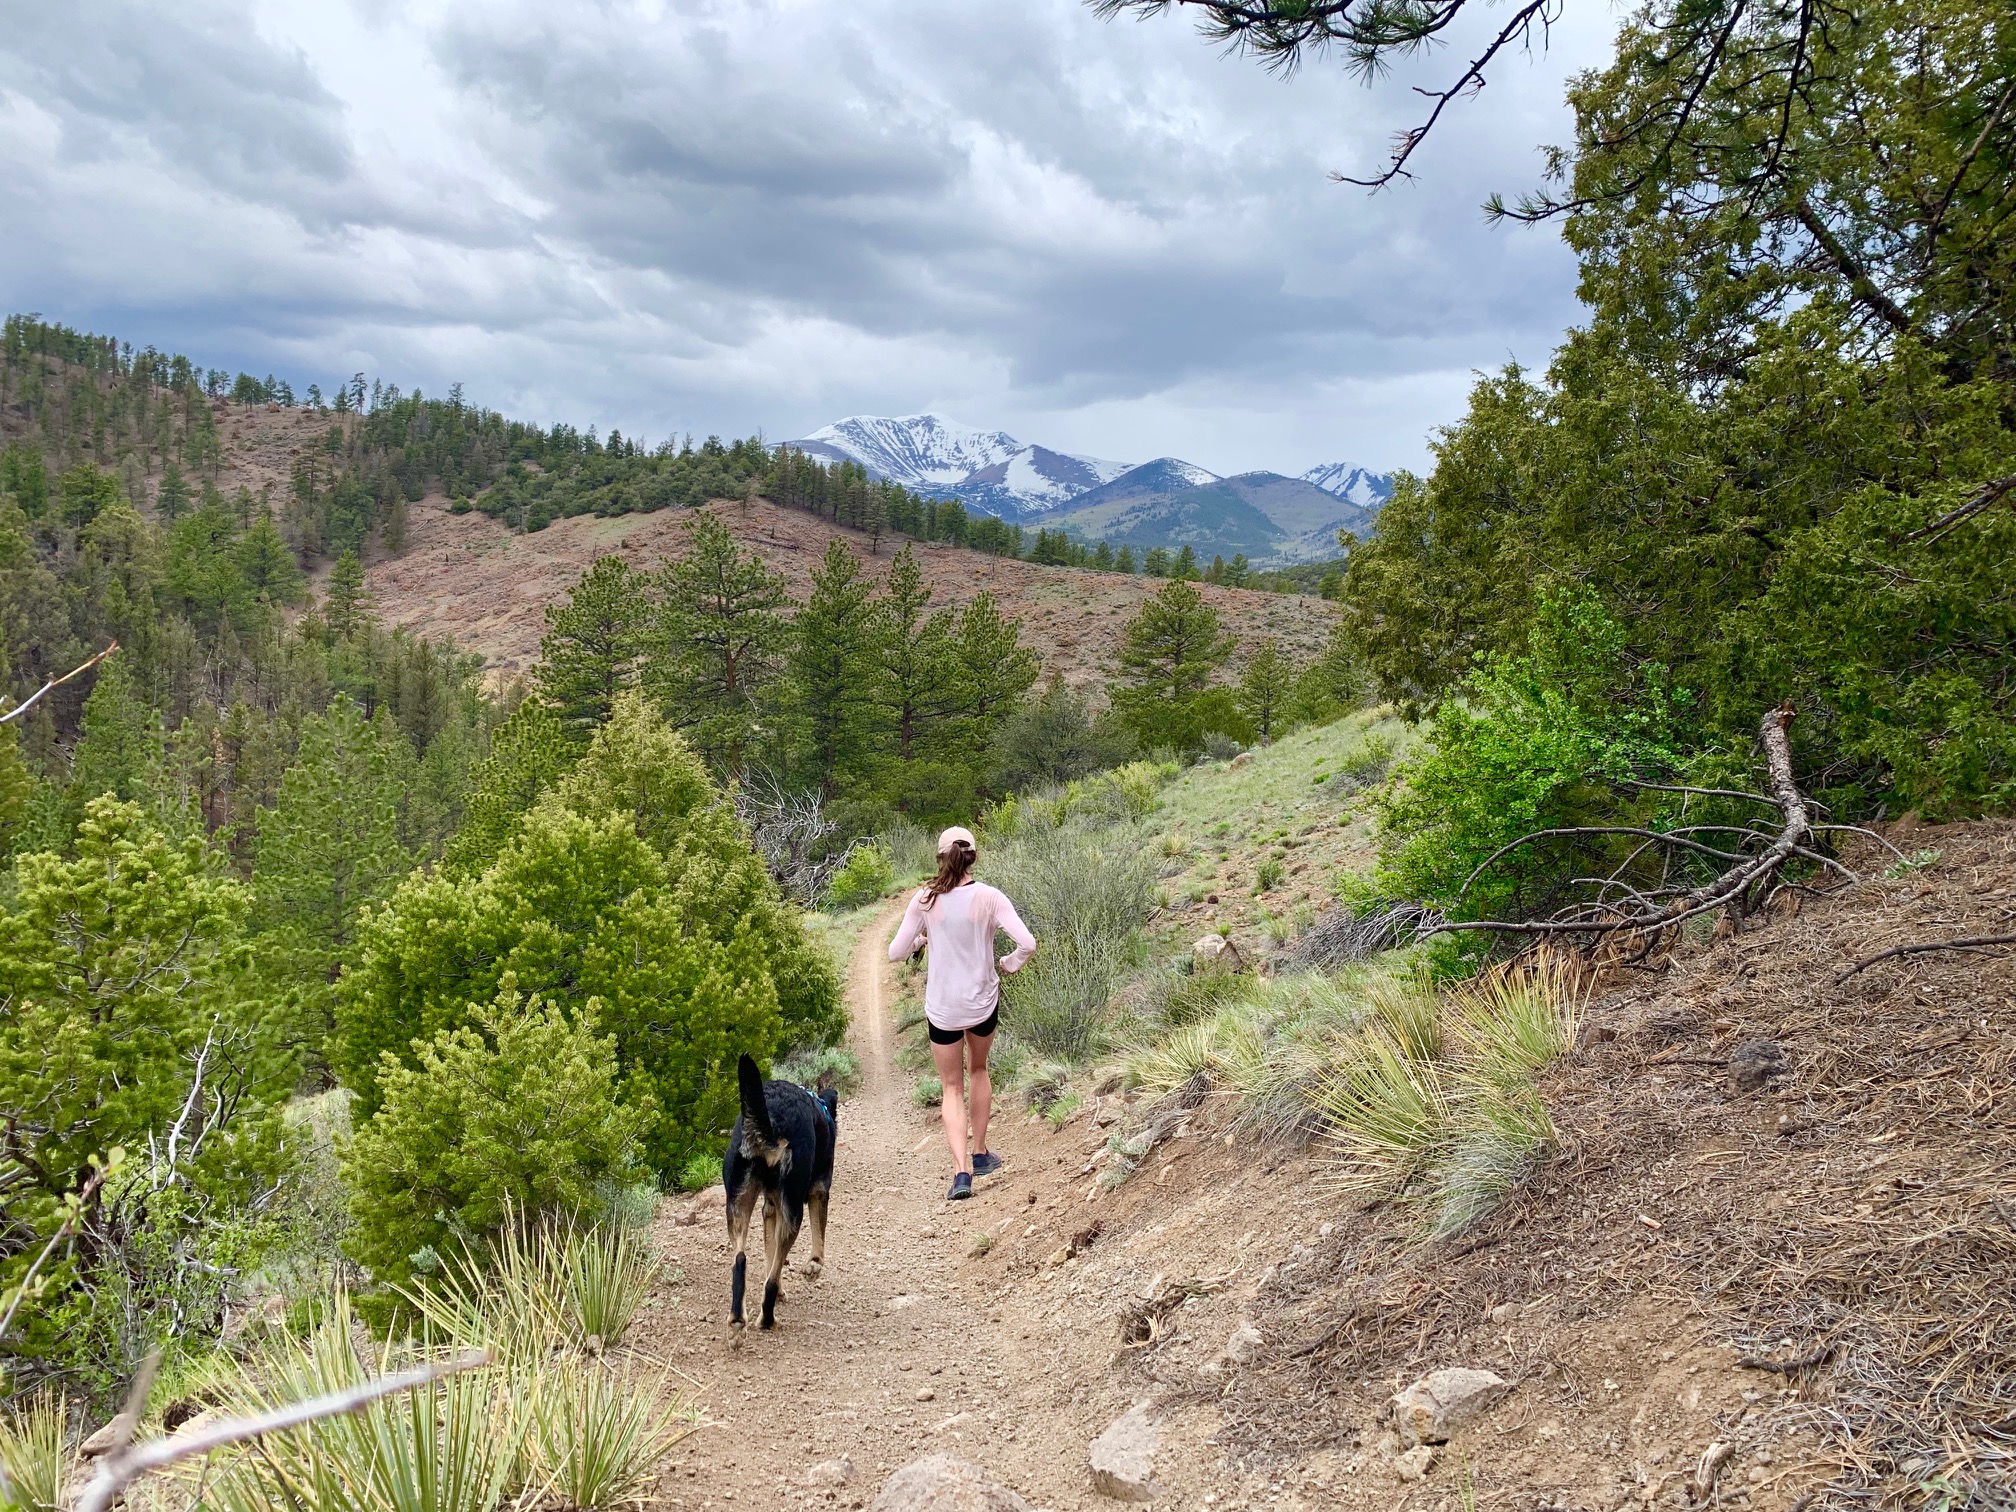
(1166, 501)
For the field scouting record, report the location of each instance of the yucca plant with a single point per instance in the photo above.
(449, 1447)
(593, 1438)
(1504, 1132)
(1388, 1113)
(32, 1455)
(604, 1275)
(1172, 1061)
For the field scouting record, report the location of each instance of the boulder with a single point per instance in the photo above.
(833, 1472)
(1123, 1457)
(1434, 1407)
(1243, 1348)
(945, 1483)
(1415, 1464)
(106, 1439)
(1215, 953)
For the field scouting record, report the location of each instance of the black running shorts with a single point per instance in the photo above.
(952, 1036)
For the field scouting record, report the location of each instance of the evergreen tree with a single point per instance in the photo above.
(992, 670)
(1102, 557)
(348, 606)
(912, 658)
(120, 747)
(1169, 659)
(1265, 689)
(171, 502)
(528, 754)
(1156, 563)
(833, 668)
(1123, 560)
(1053, 739)
(1184, 570)
(716, 646)
(266, 564)
(593, 644)
(327, 848)
(1333, 684)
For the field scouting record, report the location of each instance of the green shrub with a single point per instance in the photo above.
(629, 882)
(867, 873)
(700, 1172)
(513, 1115)
(1269, 874)
(1536, 742)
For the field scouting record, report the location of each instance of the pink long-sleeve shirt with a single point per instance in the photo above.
(961, 985)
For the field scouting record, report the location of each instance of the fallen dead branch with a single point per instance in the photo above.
(1926, 947)
(55, 682)
(127, 1462)
(1819, 1355)
(1748, 883)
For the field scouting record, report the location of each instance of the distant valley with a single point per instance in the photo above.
(1269, 517)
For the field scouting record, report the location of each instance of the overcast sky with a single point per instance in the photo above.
(741, 215)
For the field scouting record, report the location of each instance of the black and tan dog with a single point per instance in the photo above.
(781, 1152)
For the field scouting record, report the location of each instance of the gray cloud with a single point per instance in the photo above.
(726, 216)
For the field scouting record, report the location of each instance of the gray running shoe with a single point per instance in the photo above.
(962, 1188)
(986, 1163)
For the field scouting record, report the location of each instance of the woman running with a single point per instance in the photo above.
(958, 915)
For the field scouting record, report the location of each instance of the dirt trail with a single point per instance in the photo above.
(892, 1353)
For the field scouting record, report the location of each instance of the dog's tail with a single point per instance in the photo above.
(758, 1138)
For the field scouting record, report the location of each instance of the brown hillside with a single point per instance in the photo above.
(469, 577)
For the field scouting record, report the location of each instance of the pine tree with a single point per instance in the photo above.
(1123, 560)
(912, 658)
(1333, 684)
(1265, 689)
(832, 661)
(528, 754)
(1185, 568)
(120, 746)
(1169, 658)
(328, 847)
(715, 648)
(172, 500)
(349, 607)
(1156, 563)
(266, 563)
(593, 644)
(992, 670)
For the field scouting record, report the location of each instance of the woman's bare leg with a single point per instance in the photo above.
(950, 1060)
(981, 1096)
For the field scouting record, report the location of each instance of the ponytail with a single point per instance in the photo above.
(954, 862)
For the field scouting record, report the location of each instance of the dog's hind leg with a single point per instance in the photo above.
(815, 1210)
(742, 1207)
(780, 1228)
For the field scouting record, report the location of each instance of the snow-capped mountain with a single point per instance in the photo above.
(1354, 485)
(986, 470)
(1166, 500)
(914, 450)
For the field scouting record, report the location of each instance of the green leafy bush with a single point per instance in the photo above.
(867, 873)
(631, 883)
(513, 1115)
(1538, 741)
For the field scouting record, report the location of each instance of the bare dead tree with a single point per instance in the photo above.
(789, 828)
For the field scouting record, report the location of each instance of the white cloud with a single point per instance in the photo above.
(716, 215)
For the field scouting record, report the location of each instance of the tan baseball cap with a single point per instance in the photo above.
(957, 835)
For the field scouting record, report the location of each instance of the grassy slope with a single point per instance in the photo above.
(1300, 803)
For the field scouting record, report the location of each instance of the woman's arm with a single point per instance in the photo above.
(911, 931)
(1010, 923)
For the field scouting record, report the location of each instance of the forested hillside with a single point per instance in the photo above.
(262, 844)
